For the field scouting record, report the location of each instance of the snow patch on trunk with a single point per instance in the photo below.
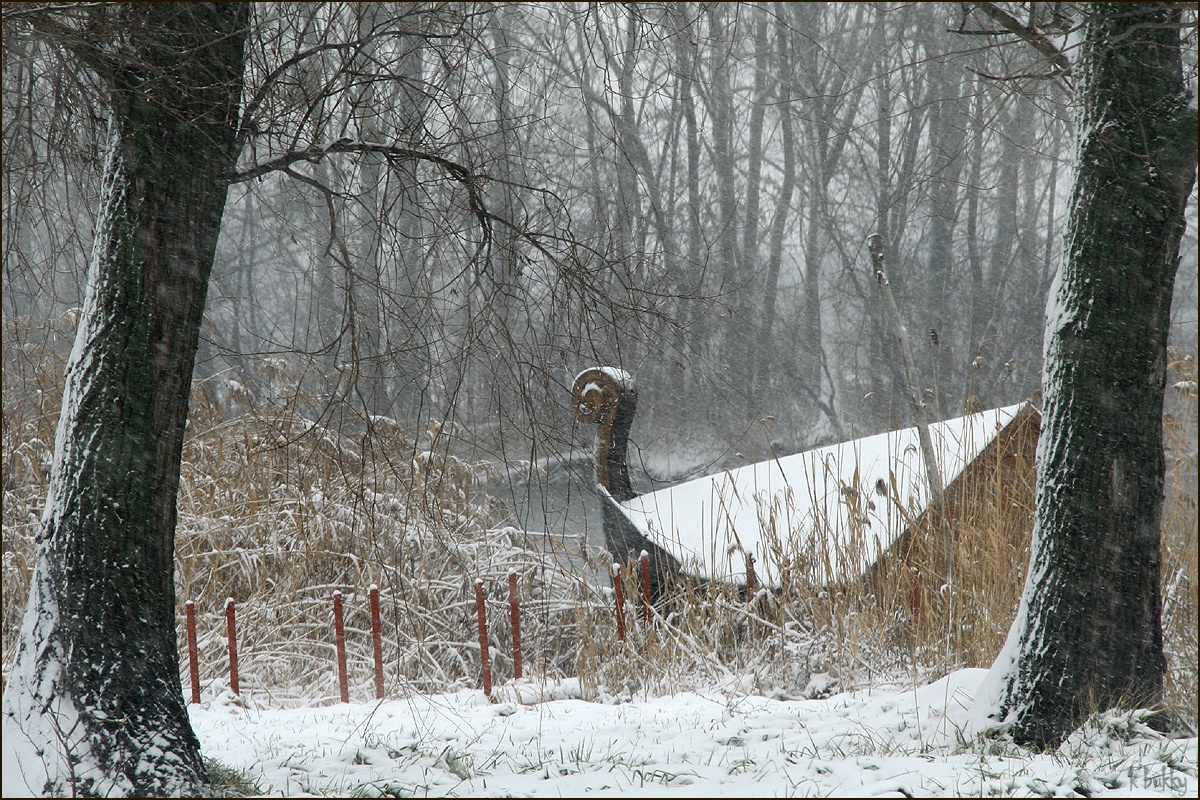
(41, 723)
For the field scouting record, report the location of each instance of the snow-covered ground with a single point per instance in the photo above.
(543, 740)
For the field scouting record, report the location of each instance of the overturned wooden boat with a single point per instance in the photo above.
(831, 514)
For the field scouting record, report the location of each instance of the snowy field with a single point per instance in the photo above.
(543, 741)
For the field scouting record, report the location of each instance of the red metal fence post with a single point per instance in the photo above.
(514, 613)
(751, 578)
(619, 601)
(339, 628)
(193, 656)
(646, 606)
(231, 631)
(377, 641)
(484, 661)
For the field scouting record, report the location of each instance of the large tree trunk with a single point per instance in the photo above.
(96, 684)
(1088, 633)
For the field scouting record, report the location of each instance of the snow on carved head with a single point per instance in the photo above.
(596, 391)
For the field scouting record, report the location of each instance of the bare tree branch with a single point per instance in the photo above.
(393, 153)
(81, 42)
(1035, 37)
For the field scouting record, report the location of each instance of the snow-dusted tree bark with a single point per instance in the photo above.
(95, 686)
(1088, 633)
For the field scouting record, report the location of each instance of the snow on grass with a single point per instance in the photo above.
(541, 739)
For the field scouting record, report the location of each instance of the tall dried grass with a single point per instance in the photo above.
(1179, 542)
(278, 510)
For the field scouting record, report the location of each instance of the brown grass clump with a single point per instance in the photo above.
(279, 509)
(1179, 543)
(989, 508)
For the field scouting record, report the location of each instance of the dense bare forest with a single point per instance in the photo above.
(683, 191)
(428, 219)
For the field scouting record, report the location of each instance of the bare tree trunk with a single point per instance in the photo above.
(1088, 633)
(947, 133)
(933, 474)
(695, 255)
(896, 171)
(785, 88)
(407, 317)
(733, 335)
(369, 342)
(749, 250)
(96, 684)
(977, 309)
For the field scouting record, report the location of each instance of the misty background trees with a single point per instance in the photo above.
(686, 192)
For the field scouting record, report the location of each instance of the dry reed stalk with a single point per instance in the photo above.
(278, 511)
